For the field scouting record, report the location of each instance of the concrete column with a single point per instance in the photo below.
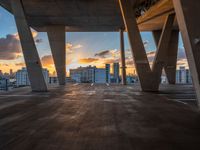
(156, 36)
(149, 79)
(123, 62)
(161, 57)
(136, 44)
(56, 35)
(170, 66)
(188, 14)
(29, 50)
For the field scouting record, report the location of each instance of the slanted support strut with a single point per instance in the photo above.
(29, 50)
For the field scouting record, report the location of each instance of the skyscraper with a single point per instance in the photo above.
(88, 74)
(107, 73)
(116, 72)
(183, 76)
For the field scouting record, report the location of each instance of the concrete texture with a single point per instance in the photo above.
(149, 78)
(56, 35)
(76, 15)
(123, 58)
(154, 18)
(161, 56)
(29, 50)
(170, 66)
(98, 117)
(137, 48)
(88, 15)
(187, 13)
(171, 54)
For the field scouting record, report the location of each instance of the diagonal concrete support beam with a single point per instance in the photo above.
(156, 36)
(170, 65)
(29, 50)
(149, 79)
(56, 35)
(188, 14)
(161, 57)
(122, 53)
(136, 44)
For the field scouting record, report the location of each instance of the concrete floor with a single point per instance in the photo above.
(99, 117)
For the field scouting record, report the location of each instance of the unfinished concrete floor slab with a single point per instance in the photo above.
(98, 117)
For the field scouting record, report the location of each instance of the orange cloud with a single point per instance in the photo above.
(20, 64)
(70, 47)
(47, 60)
(87, 60)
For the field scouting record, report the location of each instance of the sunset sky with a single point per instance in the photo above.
(83, 49)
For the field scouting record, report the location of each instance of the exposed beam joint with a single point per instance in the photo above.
(149, 79)
(171, 60)
(161, 57)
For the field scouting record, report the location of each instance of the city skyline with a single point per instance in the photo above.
(83, 49)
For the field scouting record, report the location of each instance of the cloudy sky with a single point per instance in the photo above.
(82, 49)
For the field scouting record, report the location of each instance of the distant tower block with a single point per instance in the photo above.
(107, 73)
(116, 72)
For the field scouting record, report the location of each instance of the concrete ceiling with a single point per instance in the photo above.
(87, 15)
(155, 17)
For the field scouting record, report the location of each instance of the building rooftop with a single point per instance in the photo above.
(81, 116)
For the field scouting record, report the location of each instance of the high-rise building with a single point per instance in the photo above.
(88, 75)
(22, 78)
(83, 74)
(116, 72)
(100, 75)
(183, 76)
(4, 83)
(107, 73)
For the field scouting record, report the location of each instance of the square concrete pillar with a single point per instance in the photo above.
(56, 35)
